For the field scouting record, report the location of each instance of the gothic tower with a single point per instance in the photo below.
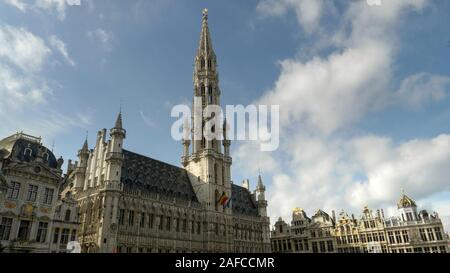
(208, 166)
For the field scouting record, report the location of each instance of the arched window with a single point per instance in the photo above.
(216, 176)
(203, 94)
(202, 63)
(67, 215)
(223, 175)
(210, 94)
(209, 63)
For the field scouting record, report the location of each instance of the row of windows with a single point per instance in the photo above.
(14, 191)
(203, 63)
(144, 220)
(320, 247)
(125, 249)
(429, 235)
(319, 233)
(23, 233)
(302, 245)
(427, 249)
(363, 238)
(65, 234)
(360, 249)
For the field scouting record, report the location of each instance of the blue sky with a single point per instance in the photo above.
(363, 91)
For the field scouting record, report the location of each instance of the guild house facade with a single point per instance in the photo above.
(34, 215)
(129, 202)
(411, 231)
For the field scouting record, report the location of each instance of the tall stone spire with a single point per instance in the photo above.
(85, 145)
(205, 47)
(260, 184)
(206, 85)
(118, 124)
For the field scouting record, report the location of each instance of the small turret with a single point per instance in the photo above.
(118, 130)
(260, 197)
(80, 170)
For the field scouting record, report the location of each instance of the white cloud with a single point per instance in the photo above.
(418, 89)
(19, 4)
(22, 48)
(308, 12)
(57, 7)
(61, 47)
(27, 96)
(105, 38)
(325, 164)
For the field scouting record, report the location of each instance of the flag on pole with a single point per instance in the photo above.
(223, 199)
(227, 203)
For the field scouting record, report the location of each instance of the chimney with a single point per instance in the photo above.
(333, 215)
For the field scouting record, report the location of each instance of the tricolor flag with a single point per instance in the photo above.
(227, 203)
(223, 199)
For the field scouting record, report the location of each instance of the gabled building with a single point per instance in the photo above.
(410, 231)
(33, 178)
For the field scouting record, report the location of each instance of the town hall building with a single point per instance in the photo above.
(129, 202)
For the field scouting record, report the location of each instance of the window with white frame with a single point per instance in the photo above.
(13, 190)
(5, 228)
(48, 196)
(32, 193)
(41, 236)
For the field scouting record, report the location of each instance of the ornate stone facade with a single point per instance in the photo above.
(28, 208)
(409, 232)
(133, 203)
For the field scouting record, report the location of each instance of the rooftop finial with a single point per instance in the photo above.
(205, 14)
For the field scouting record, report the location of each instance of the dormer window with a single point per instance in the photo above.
(45, 157)
(27, 151)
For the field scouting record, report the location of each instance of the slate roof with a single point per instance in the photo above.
(14, 148)
(151, 175)
(242, 202)
(154, 176)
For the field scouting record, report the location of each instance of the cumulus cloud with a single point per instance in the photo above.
(27, 95)
(325, 163)
(61, 47)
